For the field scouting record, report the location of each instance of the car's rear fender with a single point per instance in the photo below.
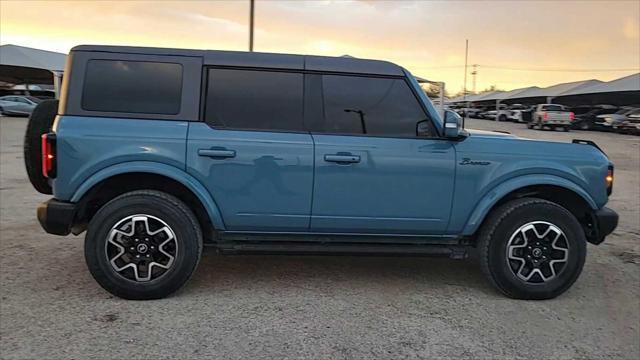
(169, 171)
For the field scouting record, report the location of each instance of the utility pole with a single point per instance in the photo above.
(251, 10)
(474, 73)
(464, 88)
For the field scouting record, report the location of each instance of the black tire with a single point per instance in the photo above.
(174, 213)
(565, 128)
(39, 123)
(502, 118)
(503, 223)
(529, 125)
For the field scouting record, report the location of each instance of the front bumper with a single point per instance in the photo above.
(605, 221)
(57, 217)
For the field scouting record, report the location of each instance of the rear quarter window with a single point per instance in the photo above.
(132, 87)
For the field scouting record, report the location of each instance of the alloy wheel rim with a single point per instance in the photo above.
(141, 248)
(537, 252)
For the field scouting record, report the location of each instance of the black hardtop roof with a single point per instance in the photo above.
(262, 60)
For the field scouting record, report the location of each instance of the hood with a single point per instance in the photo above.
(489, 134)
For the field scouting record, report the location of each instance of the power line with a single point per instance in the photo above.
(556, 69)
(528, 69)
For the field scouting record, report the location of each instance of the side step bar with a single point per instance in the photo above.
(313, 248)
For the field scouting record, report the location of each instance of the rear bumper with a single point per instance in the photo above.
(57, 217)
(605, 221)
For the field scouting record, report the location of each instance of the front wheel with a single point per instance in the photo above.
(532, 249)
(143, 245)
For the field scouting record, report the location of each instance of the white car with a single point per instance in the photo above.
(18, 105)
(551, 116)
(609, 121)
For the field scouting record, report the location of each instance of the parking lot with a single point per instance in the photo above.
(315, 307)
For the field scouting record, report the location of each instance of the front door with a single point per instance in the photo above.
(252, 151)
(373, 173)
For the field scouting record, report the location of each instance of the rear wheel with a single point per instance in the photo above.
(143, 245)
(532, 249)
(40, 122)
(502, 118)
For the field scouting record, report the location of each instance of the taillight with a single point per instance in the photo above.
(609, 180)
(572, 116)
(545, 115)
(48, 144)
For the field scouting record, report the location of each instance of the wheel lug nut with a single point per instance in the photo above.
(137, 256)
(132, 248)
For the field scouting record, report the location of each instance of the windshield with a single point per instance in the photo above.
(625, 111)
(553, 108)
(34, 99)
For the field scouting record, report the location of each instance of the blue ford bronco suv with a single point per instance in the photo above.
(157, 152)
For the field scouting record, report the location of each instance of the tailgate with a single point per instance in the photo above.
(558, 116)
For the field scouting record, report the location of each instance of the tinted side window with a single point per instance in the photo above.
(249, 99)
(132, 87)
(372, 106)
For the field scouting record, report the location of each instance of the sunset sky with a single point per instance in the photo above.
(427, 37)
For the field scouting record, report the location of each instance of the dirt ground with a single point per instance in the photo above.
(314, 307)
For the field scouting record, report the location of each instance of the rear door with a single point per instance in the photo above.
(252, 151)
(374, 174)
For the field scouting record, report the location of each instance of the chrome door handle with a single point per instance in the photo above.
(217, 153)
(342, 159)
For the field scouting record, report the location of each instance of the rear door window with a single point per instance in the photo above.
(132, 87)
(369, 106)
(254, 100)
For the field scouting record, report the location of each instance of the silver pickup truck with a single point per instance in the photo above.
(551, 116)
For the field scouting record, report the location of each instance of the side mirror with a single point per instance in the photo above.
(423, 129)
(451, 124)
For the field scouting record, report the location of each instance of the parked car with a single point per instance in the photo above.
(468, 112)
(587, 120)
(551, 116)
(156, 152)
(497, 115)
(609, 122)
(18, 105)
(520, 113)
(629, 126)
(490, 115)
